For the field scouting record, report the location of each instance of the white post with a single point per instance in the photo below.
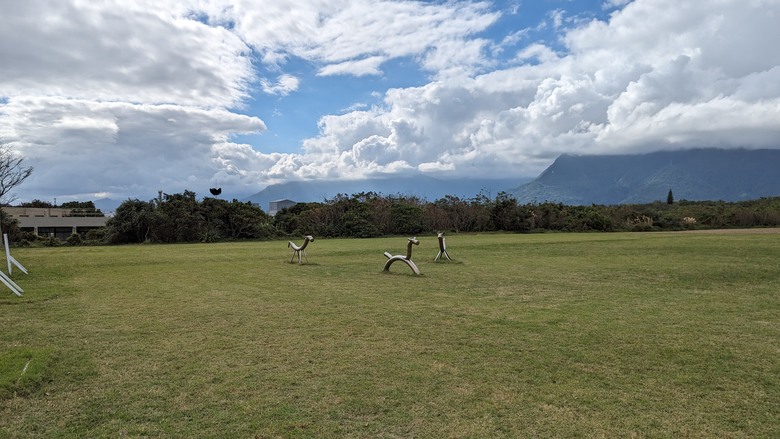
(11, 284)
(7, 252)
(11, 259)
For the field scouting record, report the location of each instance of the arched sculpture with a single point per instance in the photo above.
(300, 250)
(442, 248)
(406, 259)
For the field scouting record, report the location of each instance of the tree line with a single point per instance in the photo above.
(180, 218)
(370, 214)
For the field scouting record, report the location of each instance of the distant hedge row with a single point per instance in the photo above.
(182, 218)
(370, 214)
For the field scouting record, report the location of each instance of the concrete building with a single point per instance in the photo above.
(54, 221)
(276, 206)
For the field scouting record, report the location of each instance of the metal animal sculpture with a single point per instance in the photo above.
(442, 248)
(300, 250)
(406, 259)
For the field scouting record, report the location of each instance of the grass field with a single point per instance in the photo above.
(546, 335)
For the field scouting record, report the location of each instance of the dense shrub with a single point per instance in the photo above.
(73, 239)
(51, 241)
(96, 236)
(181, 218)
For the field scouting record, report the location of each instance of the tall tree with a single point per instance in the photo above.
(179, 218)
(670, 198)
(12, 173)
(132, 222)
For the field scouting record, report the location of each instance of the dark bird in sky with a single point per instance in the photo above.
(215, 191)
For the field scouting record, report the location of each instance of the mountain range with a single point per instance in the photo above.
(694, 175)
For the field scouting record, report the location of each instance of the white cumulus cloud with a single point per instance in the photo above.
(125, 98)
(659, 74)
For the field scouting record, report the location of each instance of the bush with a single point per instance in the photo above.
(29, 236)
(640, 223)
(97, 236)
(51, 242)
(210, 235)
(595, 219)
(74, 239)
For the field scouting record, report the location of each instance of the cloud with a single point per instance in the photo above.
(657, 75)
(557, 17)
(538, 52)
(83, 147)
(456, 58)
(87, 50)
(133, 96)
(610, 4)
(285, 84)
(358, 67)
(356, 36)
(126, 98)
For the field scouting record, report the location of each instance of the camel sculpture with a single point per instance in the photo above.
(442, 248)
(300, 250)
(406, 259)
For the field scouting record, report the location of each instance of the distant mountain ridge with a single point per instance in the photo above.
(424, 187)
(695, 175)
(699, 174)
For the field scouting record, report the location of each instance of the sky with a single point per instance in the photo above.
(121, 99)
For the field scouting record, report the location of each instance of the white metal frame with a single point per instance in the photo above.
(5, 278)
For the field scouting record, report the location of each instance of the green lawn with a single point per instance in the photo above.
(545, 335)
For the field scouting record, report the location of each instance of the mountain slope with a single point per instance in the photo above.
(701, 174)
